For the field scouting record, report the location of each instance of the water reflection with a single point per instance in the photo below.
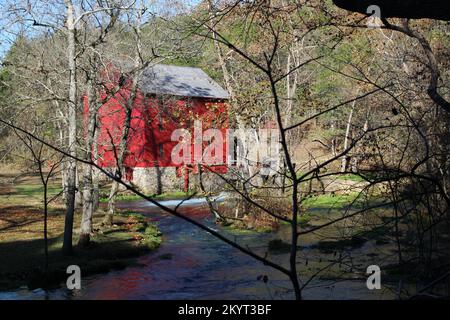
(192, 264)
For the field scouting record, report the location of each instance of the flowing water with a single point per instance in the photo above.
(192, 264)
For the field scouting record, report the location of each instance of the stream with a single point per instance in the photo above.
(192, 264)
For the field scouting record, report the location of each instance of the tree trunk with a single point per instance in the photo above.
(64, 180)
(88, 188)
(345, 158)
(78, 195)
(61, 125)
(45, 222)
(95, 174)
(108, 219)
(128, 106)
(72, 131)
(88, 207)
(222, 62)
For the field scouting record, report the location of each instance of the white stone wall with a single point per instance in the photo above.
(160, 180)
(155, 180)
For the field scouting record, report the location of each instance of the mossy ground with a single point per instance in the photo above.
(332, 201)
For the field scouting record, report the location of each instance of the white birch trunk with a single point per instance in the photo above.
(72, 129)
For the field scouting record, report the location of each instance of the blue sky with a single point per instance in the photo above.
(8, 32)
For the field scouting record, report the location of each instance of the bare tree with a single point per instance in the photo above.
(47, 166)
(409, 170)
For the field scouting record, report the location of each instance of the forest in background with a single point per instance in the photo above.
(363, 112)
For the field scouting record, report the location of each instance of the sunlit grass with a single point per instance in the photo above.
(37, 191)
(351, 177)
(332, 200)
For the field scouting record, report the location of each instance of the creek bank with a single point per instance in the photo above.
(112, 248)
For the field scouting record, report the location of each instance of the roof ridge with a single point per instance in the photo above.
(174, 65)
(163, 78)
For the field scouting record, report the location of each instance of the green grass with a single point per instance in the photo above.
(235, 229)
(340, 201)
(351, 177)
(331, 201)
(37, 191)
(29, 194)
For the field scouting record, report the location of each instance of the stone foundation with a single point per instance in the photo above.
(154, 180)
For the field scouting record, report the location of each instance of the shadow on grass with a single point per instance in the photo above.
(18, 216)
(23, 262)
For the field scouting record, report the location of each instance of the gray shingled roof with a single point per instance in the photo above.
(180, 81)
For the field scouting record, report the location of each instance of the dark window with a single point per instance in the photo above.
(160, 114)
(161, 151)
(160, 121)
